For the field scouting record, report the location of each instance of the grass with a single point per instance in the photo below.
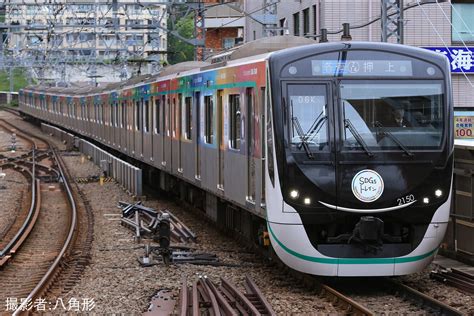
(19, 80)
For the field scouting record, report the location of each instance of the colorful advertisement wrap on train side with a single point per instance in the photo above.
(464, 125)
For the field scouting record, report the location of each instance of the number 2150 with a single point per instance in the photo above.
(406, 199)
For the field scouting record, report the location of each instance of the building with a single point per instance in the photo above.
(224, 23)
(435, 26)
(88, 31)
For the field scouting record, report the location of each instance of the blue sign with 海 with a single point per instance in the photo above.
(461, 59)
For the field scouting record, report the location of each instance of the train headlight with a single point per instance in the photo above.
(438, 193)
(426, 200)
(307, 201)
(294, 194)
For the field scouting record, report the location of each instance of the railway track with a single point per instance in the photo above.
(342, 296)
(388, 296)
(47, 240)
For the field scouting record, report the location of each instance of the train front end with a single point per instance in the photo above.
(359, 157)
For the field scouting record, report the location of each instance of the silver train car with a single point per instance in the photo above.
(341, 153)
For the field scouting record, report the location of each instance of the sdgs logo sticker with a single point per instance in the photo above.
(367, 186)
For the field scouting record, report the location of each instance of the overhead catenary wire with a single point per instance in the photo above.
(443, 41)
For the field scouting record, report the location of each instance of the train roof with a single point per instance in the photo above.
(281, 49)
(284, 56)
(248, 52)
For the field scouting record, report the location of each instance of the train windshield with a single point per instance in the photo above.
(381, 115)
(308, 117)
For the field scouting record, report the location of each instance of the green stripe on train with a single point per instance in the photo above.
(351, 260)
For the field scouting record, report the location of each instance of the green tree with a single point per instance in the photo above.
(180, 51)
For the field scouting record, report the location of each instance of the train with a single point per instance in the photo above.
(339, 154)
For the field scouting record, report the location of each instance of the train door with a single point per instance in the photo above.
(169, 135)
(220, 138)
(139, 128)
(197, 136)
(146, 133)
(157, 132)
(250, 141)
(131, 125)
(123, 126)
(179, 121)
(165, 130)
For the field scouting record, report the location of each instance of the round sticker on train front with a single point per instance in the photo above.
(367, 185)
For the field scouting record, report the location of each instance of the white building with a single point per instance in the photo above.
(88, 31)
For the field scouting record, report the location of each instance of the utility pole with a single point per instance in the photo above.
(392, 20)
(199, 31)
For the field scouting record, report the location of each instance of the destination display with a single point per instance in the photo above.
(348, 68)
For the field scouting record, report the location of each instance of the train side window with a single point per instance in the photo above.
(188, 103)
(116, 106)
(146, 111)
(138, 119)
(103, 112)
(173, 118)
(111, 114)
(157, 115)
(124, 114)
(209, 117)
(235, 121)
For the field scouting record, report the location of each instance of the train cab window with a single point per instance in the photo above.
(209, 118)
(146, 111)
(392, 115)
(235, 121)
(157, 116)
(188, 104)
(307, 114)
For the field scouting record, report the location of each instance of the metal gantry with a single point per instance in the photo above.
(392, 20)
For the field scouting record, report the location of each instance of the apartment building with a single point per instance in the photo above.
(445, 27)
(82, 29)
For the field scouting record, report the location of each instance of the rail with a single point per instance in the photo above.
(411, 293)
(15, 243)
(43, 282)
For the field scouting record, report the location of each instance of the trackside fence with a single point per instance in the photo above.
(129, 176)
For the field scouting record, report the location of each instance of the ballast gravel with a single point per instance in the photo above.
(118, 284)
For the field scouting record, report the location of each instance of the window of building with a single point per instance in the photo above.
(315, 21)
(209, 117)
(157, 116)
(306, 21)
(228, 42)
(235, 121)
(147, 116)
(462, 21)
(296, 24)
(282, 26)
(188, 104)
